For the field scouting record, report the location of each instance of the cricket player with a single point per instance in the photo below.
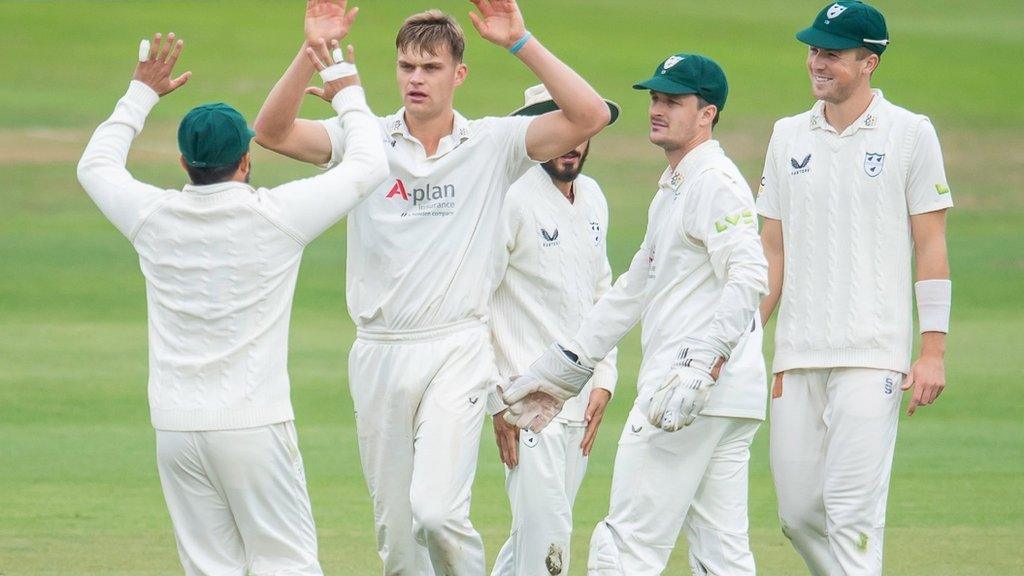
(418, 280)
(551, 265)
(220, 259)
(694, 285)
(852, 189)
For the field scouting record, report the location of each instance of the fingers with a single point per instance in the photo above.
(350, 17)
(513, 448)
(165, 49)
(477, 22)
(180, 80)
(154, 46)
(908, 381)
(350, 52)
(314, 59)
(589, 436)
(316, 91)
(483, 6)
(176, 52)
(915, 400)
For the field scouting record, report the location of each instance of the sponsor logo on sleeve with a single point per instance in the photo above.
(873, 163)
(942, 189)
(741, 218)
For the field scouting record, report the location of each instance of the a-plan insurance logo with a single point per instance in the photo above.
(423, 199)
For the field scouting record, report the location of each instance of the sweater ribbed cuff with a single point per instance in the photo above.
(494, 402)
(604, 377)
(141, 94)
(348, 99)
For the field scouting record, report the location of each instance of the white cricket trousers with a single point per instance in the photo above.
(419, 398)
(694, 479)
(541, 490)
(238, 501)
(833, 433)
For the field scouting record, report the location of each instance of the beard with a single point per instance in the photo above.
(565, 174)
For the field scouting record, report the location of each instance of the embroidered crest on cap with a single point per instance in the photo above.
(835, 10)
(670, 62)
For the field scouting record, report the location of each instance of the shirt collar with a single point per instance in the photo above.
(868, 120)
(673, 179)
(208, 189)
(396, 126)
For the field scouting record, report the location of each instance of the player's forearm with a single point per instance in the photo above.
(280, 110)
(614, 315)
(102, 171)
(771, 241)
(576, 98)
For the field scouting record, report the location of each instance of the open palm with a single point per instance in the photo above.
(499, 21)
(328, 19)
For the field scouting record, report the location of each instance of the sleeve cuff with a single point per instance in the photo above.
(605, 377)
(349, 98)
(142, 95)
(494, 402)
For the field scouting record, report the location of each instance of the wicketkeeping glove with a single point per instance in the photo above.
(534, 412)
(678, 401)
(554, 373)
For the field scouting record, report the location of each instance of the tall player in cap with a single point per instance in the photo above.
(694, 285)
(551, 266)
(419, 252)
(220, 259)
(851, 191)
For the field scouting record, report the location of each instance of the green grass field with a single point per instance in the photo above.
(78, 487)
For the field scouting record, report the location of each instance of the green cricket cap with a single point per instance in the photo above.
(213, 135)
(689, 74)
(847, 24)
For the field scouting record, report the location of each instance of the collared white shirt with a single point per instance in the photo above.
(220, 263)
(550, 267)
(696, 281)
(419, 246)
(845, 202)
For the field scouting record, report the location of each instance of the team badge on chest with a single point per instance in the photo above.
(873, 163)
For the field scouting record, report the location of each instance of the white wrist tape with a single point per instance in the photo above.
(144, 50)
(934, 300)
(336, 71)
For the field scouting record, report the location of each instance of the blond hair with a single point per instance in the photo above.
(428, 31)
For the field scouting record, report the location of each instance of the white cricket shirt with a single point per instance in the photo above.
(419, 247)
(697, 280)
(220, 263)
(550, 267)
(845, 202)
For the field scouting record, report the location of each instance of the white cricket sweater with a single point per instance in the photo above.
(419, 247)
(220, 263)
(551, 266)
(697, 280)
(845, 202)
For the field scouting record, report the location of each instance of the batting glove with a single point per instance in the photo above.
(678, 401)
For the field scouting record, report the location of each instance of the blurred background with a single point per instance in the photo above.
(79, 492)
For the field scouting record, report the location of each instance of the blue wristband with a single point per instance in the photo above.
(522, 42)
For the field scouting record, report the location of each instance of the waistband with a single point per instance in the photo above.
(419, 334)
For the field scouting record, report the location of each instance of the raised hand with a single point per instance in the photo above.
(156, 67)
(328, 20)
(322, 59)
(498, 21)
